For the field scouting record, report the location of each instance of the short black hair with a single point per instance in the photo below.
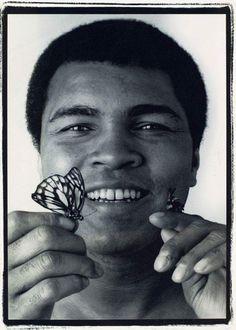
(120, 42)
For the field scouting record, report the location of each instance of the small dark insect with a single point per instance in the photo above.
(174, 204)
(62, 194)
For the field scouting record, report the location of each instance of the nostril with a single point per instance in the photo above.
(117, 161)
(133, 163)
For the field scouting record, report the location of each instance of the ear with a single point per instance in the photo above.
(195, 166)
(39, 167)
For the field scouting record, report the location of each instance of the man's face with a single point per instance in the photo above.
(124, 128)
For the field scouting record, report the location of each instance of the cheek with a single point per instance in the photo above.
(57, 159)
(171, 166)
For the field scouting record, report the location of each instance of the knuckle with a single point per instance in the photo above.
(14, 220)
(14, 247)
(216, 253)
(13, 251)
(44, 234)
(35, 298)
(190, 258)
(217, 235)
(51, 219)
(49, 260)
(49, 289)
(27, 267)
(171, 251)
(170, 246)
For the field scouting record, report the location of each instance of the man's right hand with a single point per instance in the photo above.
(46, 262)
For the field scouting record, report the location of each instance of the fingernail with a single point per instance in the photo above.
(156, 216)
(66, 223)
(201, 266)
(98, 269)
(179, 273)
(76, 226)
(161, 263)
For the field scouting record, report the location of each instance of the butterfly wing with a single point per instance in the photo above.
(64, 195)
(76, 184)
(54, 194)
(174, 204)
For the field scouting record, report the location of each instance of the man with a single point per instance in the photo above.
(126, 105)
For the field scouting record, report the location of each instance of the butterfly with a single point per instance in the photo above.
(62, 194)
(174, 204)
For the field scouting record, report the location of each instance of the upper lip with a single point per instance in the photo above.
(114, 185)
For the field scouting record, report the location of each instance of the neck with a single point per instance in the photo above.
(126, 288)
(126, 270)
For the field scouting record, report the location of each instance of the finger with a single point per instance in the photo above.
(43, 238)
(50, 264)
(173, 220)
(20, 222)
(192, 287)
(167, 234)
(31, 303)
(212, 261)
(210, 288)
(185, 267)
(178, 245)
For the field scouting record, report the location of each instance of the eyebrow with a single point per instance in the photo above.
(74, 111)
(138, 110)
(144, 109)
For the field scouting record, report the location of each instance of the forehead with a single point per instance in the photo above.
(94, 84)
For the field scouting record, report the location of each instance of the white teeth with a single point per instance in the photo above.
(132, 193)
(96, 194)
(114, 195)
(126, 193)
(103, 193)
(119, 194)
(110, 195)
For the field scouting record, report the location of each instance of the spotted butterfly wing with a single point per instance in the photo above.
(76, 183)
(63, 195)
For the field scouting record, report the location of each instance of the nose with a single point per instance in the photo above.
(116, 153)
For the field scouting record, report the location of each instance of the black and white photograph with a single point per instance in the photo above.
(117, 164)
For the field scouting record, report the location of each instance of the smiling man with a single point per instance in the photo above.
(125, 104)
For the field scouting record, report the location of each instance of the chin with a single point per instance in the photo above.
(120, 241)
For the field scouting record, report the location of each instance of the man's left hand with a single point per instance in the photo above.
(197, 249)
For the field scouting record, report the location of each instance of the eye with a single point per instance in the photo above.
(80, 128)
(152, 127)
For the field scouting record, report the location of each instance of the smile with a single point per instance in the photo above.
(115, 195)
